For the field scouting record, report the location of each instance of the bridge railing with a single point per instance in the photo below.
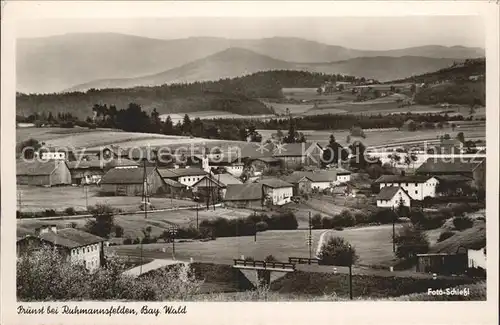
(303, 260)
(264, 264)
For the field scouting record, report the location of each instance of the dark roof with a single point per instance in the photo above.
(227, 179)
(268, 160)
(126, 175)
(86, 164)
(243, 192)
(167, 173)
(314, 176)
(36, 167)
(70, 238)
(227, 158)
(342, 171)
(256, 150)
(171, 182)
(402, 179)
(274, 183)
(121, 162)
(454, 178)
(436, 165)
(192, 171)
(388, 192)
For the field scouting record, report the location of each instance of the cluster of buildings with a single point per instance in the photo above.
(433, 178)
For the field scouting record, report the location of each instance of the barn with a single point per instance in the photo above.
(244, 196)
(129, 181)
(43, 173)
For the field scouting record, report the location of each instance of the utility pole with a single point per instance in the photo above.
(197, 225)
(86, 196)
(310, 236)
(173, 232)
(144, 185)
(350, 272)
(255, 225)
(140, 271)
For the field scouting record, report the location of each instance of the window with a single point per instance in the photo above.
(407, 184)
(416, 191)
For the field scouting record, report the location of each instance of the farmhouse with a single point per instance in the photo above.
(295, 155)
(392, 197)
(129, 181)
(343, 176)
(215, 185)
(473, 168)
(264, 164)
(185, 176)
(454, 185)
(249, 196)
(277, 191)
(55, 153)
(76, 246)
(305, 182)
(175, 189)
(120, 162)
(86, 172)
(417, 187)
(103, 153)
(43, 173)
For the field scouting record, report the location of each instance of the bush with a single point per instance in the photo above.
(428, 221)
(316, 221)
(118, 231)
(337, 251)
(49, 213)
(344, 219)
(327, 223)
(461, 208)
(70, 211)
(462, 223)
(361, 218)
(338, 228)
(127, 241)
(445, 235)
(410, 241)
(270, 258)
(136, 241)
(262, 226)
(383, 216)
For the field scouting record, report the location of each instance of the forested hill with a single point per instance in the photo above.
(456, 72)
(235, 95)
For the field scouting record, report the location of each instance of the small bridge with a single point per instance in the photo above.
(263, 269)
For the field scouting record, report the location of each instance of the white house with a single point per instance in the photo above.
(76, 246)
(185, 176)
(279, 191)
(230, 163)
(343, 176)
(477, 258)
(392, 196)
(418, 187)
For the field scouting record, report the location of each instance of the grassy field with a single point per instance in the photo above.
(33, 199)
(134, 223)
(373, 245)
(472, 130)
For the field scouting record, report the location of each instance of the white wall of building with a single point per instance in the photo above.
(190, 180)
(417, 190)
(90, 255)
(320, 185)
(236, 170)
(281, 195)
(343, 178)
(53, 155)
(477, 258)
(395, 201)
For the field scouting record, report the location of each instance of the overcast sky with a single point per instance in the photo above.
(357, 32)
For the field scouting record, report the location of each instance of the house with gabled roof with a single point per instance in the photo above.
(214, 185)
(392, 197)
(76, 246)
(295, 155)
(250, 196)
(277, 191)
(186, 176)
(418, 187)
(43, 173)
(473, 168)
(132, 181)
(86, 171)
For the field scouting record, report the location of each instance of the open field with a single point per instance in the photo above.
(373, 245)
(32, 199)
(134, 223)
(474, 130)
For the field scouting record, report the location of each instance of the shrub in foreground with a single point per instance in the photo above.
(445, 235)
(462, 223)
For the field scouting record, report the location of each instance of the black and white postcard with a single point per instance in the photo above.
(175, 162)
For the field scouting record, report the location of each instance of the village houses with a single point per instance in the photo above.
(249, 196)
(185, 176)
(76, 246)
(418, 187)
(214, 185)
(393, 197)
(43, 173)
(277, 191)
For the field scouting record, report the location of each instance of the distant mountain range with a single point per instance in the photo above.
(58, 63)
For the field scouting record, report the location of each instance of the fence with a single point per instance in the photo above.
(303, 260)
(265, 265)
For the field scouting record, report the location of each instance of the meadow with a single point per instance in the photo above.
(373, 245)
